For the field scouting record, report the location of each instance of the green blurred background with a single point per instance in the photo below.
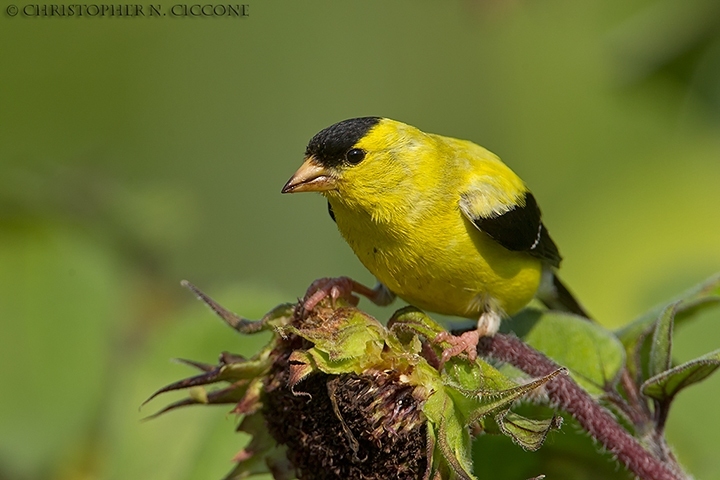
(135, 152)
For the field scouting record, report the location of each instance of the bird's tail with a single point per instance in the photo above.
(556, 296)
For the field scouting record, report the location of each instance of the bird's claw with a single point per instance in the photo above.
(466, 342)
(332, 287)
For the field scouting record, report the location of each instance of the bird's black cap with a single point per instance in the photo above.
(329, 146)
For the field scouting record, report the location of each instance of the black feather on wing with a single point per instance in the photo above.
(330, 211)
(519, 229)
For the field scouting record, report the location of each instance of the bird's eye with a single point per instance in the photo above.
(355, 156)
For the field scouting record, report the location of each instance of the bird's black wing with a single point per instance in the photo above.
(518, 227)
(330, 211)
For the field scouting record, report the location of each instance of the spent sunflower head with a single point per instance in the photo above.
(336, 394)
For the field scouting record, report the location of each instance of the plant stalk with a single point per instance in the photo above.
(570, 397)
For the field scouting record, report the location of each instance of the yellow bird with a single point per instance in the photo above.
(442, 223)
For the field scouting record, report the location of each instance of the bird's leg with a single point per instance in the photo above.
(488, 325)
(344, 287)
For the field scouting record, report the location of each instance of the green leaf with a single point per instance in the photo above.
(471, 392)
(452, 440)
(570, 455)
(688, 304)
(661, 349)
(500, 401)
(477, 376)
(592, 354)
(346, 335)
(665, 385)
(528, 433)
(692, 301)
(413, 320)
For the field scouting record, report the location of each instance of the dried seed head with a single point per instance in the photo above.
(335, 394)
(366, 426)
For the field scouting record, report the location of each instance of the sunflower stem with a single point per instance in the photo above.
(571, 398)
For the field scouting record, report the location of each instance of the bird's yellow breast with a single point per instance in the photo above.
(414, 238)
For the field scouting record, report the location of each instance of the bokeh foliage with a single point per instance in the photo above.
(135, 152)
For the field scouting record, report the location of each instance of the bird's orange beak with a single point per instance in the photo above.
(310, 177)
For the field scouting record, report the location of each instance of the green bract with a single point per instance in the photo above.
(359, 387)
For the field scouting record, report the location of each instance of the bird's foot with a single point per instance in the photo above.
(332, 287)
(466, 342)
(488, 325)
(344, 287)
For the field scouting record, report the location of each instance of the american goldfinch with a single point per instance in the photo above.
(440, 222)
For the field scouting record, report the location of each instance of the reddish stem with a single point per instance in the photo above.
(568, 396)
